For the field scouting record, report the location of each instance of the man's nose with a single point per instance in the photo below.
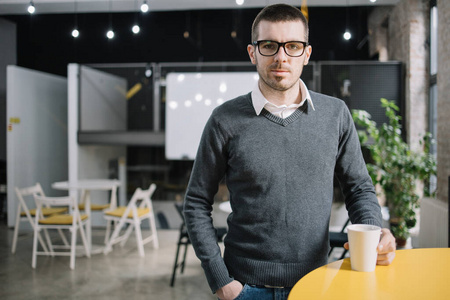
(281, 54)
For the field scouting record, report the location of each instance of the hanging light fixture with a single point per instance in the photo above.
(148, 71)
(31, 9)
(75, 32)
(144, 6)
(135, 29)
(347, 35)
(110, 32)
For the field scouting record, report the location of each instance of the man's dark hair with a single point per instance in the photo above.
(279, 13)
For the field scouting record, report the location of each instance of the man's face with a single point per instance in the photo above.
(279, 72)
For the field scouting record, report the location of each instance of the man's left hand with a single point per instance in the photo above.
(386, 248)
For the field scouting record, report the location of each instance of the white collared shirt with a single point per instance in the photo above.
(283, 111)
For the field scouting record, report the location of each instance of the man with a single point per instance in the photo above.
(278, 148)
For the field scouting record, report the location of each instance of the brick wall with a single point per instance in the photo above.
(443, 81)
(407, 33)
(403, 30)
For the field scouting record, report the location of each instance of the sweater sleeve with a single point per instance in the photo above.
(357, 187)
(209, 168)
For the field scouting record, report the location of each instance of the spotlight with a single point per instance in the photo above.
(347, 35)
(31, 9)
(75, 33)
(136, 29)
(239, 2)
(144, 7)
(110, 34)
(148, 72)
(373, 1)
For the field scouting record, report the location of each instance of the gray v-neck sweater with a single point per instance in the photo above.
(279, 173)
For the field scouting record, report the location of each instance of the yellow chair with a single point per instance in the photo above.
(72, 221)
(24, 214)
(133, 214)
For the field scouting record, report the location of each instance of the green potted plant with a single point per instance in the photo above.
(395, 167)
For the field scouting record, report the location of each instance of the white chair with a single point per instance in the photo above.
(24, 214)
(72, 221)
(133, 214)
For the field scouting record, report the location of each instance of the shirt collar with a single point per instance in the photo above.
(259, 101)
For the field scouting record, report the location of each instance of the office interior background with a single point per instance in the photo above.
(411, 33)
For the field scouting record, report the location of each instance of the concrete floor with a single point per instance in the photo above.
(122, 274)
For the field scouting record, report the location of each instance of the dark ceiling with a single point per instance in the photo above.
(44, 42)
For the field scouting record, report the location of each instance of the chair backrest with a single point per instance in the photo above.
(144, 196)
(28, 191)
(54, 201)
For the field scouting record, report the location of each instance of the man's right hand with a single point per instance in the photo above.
(230, 291)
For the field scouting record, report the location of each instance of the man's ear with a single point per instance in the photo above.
(251, 53)
(308, 52)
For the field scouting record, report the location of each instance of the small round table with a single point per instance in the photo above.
(414, 274)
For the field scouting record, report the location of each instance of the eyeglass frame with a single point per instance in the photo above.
(256, 43)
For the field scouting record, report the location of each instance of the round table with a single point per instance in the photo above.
(414, 274)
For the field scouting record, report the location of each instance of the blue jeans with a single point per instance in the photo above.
(262, 293)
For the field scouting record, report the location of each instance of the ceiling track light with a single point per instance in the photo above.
(31, 9)
(144, 6)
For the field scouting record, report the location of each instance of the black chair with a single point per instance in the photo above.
(338, 239)
(183, 240)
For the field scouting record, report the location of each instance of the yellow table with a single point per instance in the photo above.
(414, 274)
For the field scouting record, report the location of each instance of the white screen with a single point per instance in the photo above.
(190, 100)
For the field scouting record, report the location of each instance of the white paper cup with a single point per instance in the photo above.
(363, 241)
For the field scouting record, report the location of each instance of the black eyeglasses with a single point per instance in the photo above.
(270, 48)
